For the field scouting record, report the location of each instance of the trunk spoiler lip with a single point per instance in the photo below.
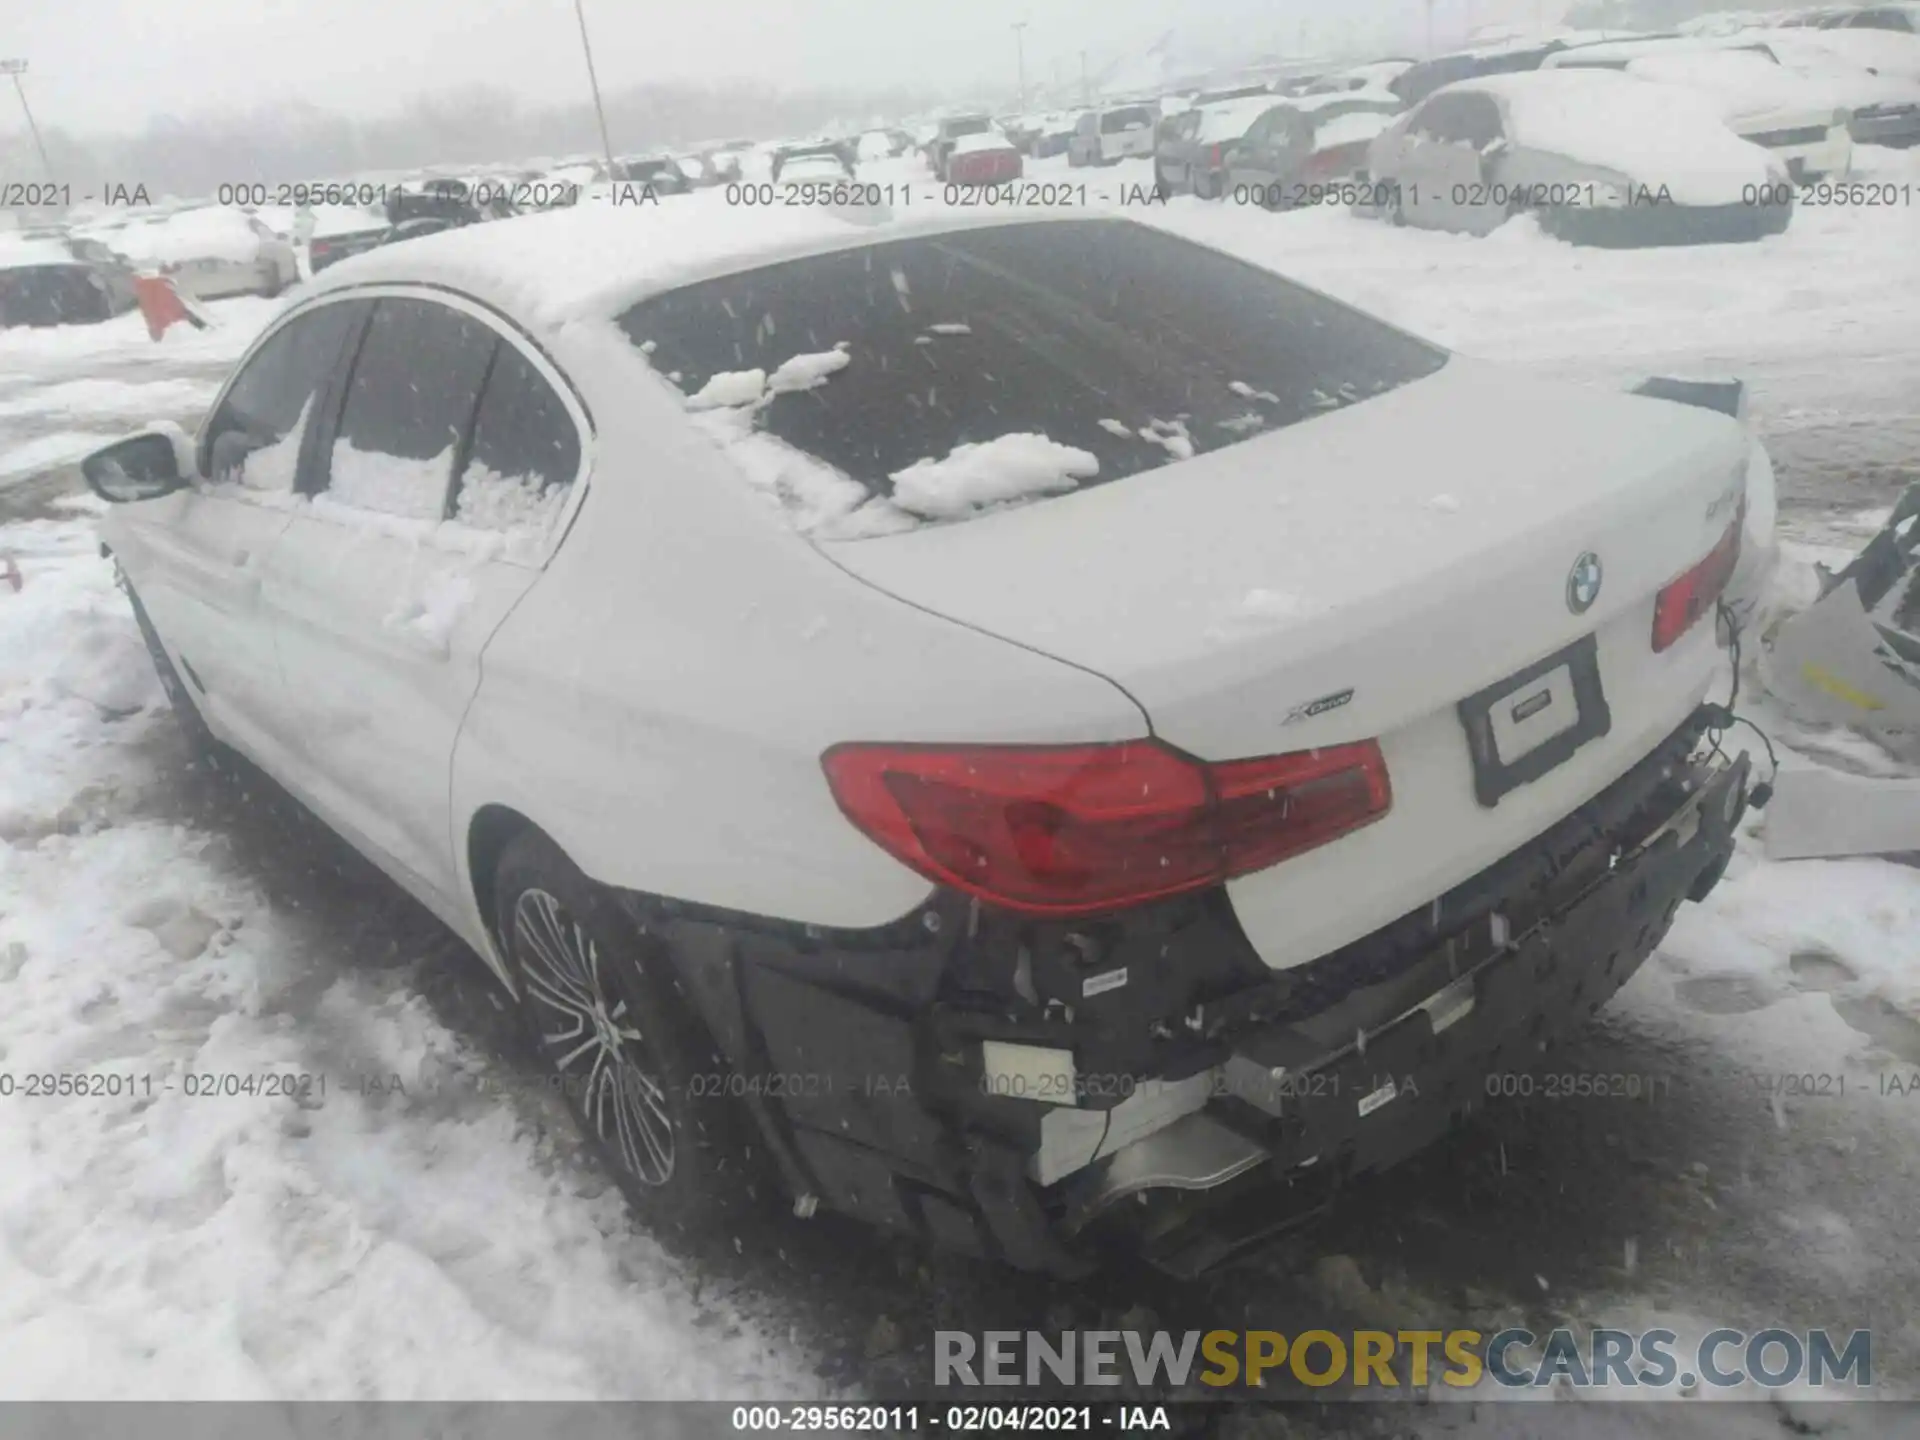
(1724, 395)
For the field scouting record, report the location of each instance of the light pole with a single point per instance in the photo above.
(599, 110)
(1020, 57)
(17, 68)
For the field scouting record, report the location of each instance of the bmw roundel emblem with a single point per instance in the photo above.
(1583, 583)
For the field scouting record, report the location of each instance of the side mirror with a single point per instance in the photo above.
(140, 467)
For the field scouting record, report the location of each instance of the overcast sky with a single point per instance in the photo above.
(116, 64)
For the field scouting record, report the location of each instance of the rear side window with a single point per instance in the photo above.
(413, 393)
(948, 373)
(526, 450)
(254, 437)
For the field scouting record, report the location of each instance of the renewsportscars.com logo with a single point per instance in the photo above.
(1384, 1360)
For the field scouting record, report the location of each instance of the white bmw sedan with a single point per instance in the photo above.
(984, 718)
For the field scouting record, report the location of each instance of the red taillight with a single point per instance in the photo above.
(1681, 604)
(1215, 155)
(1077, 829)
(319, 247)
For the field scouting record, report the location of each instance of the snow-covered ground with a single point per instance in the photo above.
(444, 1239)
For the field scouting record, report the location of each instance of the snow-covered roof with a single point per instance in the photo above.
(209, 232)
(596, 260)
(985, 140)
(1746, 82)
(1230, 119)
(19, 254)
(1655, 135)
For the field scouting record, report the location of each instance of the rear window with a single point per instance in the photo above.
(1115, 121)
(940, 375)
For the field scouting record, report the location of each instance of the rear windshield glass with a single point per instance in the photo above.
(941, 375)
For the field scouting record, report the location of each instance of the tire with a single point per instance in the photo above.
(642, 1090)
(200, 738)
(1204, 187)
(270, 285)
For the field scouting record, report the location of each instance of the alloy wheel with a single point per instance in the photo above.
(588, 1031)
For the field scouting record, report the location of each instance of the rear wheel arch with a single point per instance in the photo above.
(489, 832)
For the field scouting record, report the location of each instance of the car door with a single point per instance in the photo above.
(1443, 182)
(197, 557)
(1250, 161)
(444, 477)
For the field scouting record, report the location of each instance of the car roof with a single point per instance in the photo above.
(594, 259)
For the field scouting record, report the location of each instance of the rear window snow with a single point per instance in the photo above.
(1092, 350)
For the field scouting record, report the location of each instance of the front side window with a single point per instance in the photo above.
(254, 438)
(415, 386)
(1100, 347)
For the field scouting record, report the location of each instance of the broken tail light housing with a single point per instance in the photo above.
(1069, 830)
(1682, 603)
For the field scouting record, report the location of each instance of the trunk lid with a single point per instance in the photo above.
(1356, 550)
(1355, 577)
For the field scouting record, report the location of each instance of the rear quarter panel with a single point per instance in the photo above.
(659, 701)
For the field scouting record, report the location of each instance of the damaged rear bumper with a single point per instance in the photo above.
(989, 1084)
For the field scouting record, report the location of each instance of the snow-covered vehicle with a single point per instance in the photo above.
(1305, 143)
(988, 158)
(211, 252)
(1602, 158)
(951, 129)
(1376, 75)
(1884, 52)
(338, 231)
(1900, 19)
(1313, 751)
(1106, 137)
(1190, 153)
(47, 281)
(1801, 118)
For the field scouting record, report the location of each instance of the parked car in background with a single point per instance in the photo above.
(1885, 52)
(984, 787)
(813, 159)
(951, 129)
(987, 158)
(1191, 155)
(660, 173)
(1901, 19)
(45, 281)
(1106, 137)
(884, 144)
(815, 167)
(1379, 75)
(1417, 82)
(212, 252)
(342, 230)
(1304, 143)
(1602, 158)
(1055, 134)
(1798, 117)
(1882, 108)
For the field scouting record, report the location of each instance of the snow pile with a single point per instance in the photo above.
(950, 328)
(518, 504)
(212, 233)
(437, 1241)
(429, 611)
(1660, 136)
(48, 452)
(729, 387)
(1741, 82)
(816, 498)
(979, 144)
(112, 399)
(271, 467)
(993, 472)
(1170, 435)
(390, 484)
(804, 372)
